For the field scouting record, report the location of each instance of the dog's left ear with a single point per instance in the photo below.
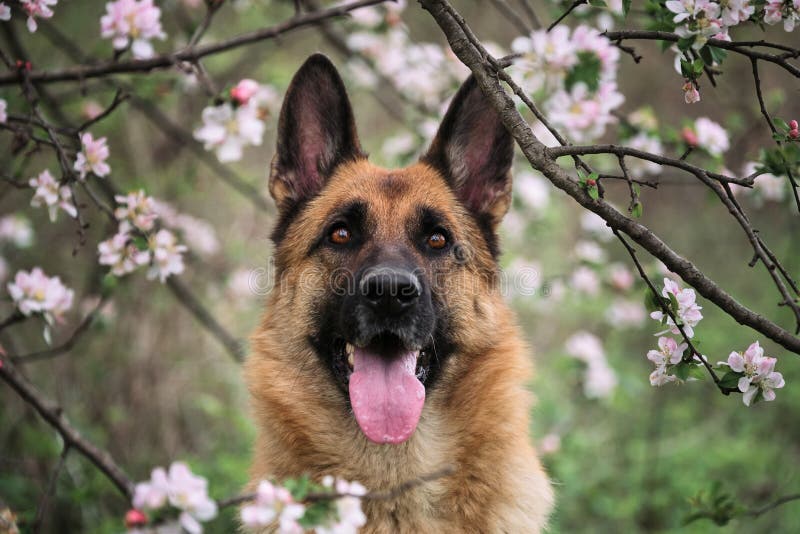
(316, 133)
(474, 151)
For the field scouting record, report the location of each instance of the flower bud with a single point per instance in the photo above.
(135, 518)
(793, 124)
(794, 134)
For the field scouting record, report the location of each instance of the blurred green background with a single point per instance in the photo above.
(151, 386)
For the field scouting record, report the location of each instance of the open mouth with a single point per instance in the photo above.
(385, 384)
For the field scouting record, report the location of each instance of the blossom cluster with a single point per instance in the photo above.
(573, 73)
(756, 374)
(230, 126)
(134, 24)
(40, 9)
(599, 379)
(181, 489)
(752, 373)
(280, 507)
(33, 292)
(138, 242)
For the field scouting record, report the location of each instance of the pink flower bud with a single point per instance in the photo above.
(135, 518)
(244, 90)
(591, 182)
(689, 136)
(794, 134)
(690, 93)
(793, 124)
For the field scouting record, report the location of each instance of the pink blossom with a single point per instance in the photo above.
(34, 292)
(585, 346)
(3, 111)
(669, 353)
(787, 10)
(243, 91)
(690, 93)
(585, 280)
(688, 312)
(167, 255)
(711, 136)
(736, 11)
(16, 229)
(273, 503)
(152, 494)
(759, 375)
(189, 493)
(647, 143)
(132, 23)
(625, 313)
(121, 253)
(138, 208)
(550, 444)
(688, 135)
(49, 193)
(37, 8)
(92, 157)
(5, 11)
(532, 189)
(583, 115)
(699, 19)
(620, 276)
(227, 131)
(91, 110)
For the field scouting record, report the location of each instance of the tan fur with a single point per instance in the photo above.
(476, 417)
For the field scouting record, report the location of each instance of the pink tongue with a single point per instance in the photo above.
(386, 396)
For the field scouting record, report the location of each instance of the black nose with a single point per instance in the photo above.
(390, 290)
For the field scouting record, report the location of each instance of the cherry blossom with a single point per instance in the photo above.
(37, 8)
(132, 23)
(3, 111)
(49, 193)
(711, 136)
(227, 130)
(34, 292)
(167, 255)
(92, 157)
(669, 353)
(688, 312)
(138, 208)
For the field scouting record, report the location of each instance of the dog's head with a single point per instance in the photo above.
(392, 268)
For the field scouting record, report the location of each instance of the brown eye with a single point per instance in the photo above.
(437, 240)
(340, 235)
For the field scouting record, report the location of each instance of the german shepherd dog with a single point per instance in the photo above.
(386, 350)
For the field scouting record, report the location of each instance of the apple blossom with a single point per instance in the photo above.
(711, 136)
(625, 313)
(582, 114)
(599, 380)
(589, 251)
(758, 375)
(227, 130)
(137, 208)
(348, 509)
(132, 23)
(585, 280)
(121, 253)
(584, 346)
(647, 143)
(3, 111)
(689, 136)
(16, 229)
(532, 189)
(198, 234)
(698, 19)
(736, 11)
(34, 292)
(167, 255)
(688, 312)
(37, 8)
(243, 91)
(596, 225)
(766, 186)
(690, 93)
(5, 11)
(49, 193)
(669, 353)
(92, 157)
(152, 494)
(786, 10)
(620, 276)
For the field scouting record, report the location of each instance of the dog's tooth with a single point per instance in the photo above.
(350, 360)
(350, 351)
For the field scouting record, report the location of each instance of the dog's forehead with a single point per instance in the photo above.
(390, 194)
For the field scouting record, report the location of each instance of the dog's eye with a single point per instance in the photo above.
(340, 235)
(437, 240)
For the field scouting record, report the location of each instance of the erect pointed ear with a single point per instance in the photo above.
(474, 151)
(316, 132)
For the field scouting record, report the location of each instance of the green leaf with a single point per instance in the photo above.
(780, 124)
(681, 370)
(597, 3)
(698, 372)
(730, 379)
(626, 7)
(685, 43)
(718, 54)
(698, 65)
(593, 192)
(637, 209)
(586, 71)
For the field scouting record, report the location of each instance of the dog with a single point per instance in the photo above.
(386, 350)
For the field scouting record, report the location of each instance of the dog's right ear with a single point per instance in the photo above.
(316, 132)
